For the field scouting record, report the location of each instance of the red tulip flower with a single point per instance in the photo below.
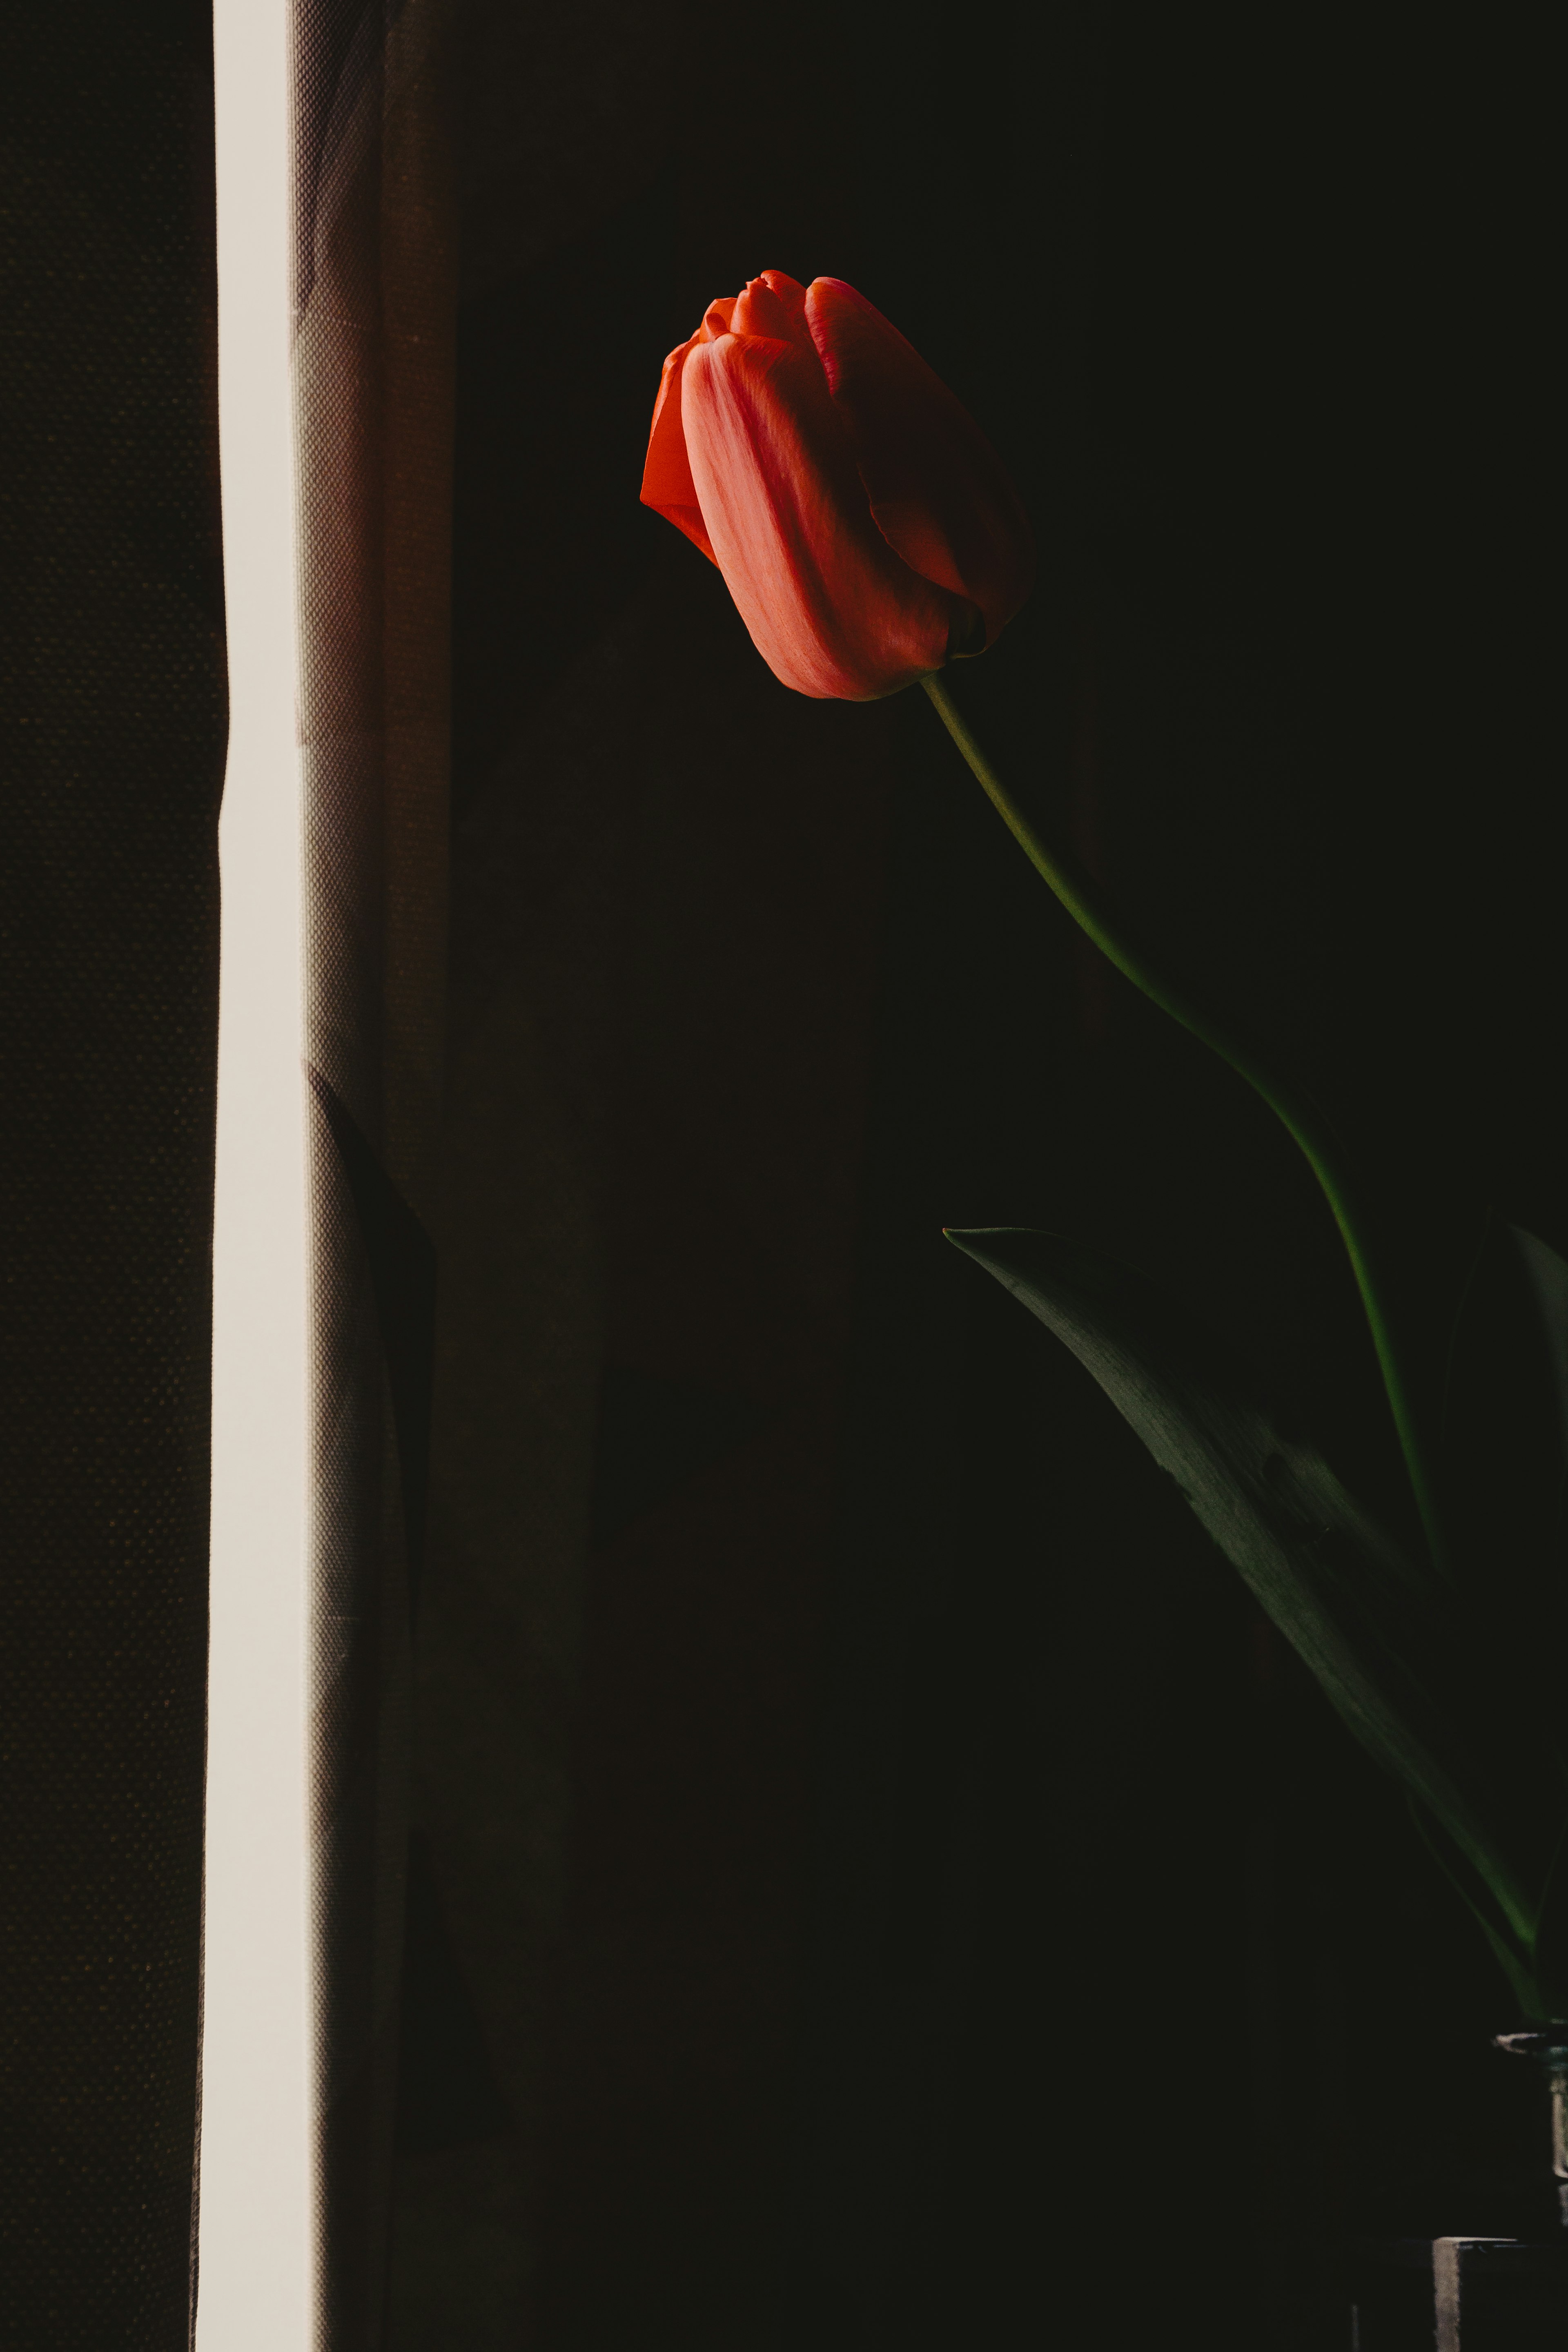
(862, 520)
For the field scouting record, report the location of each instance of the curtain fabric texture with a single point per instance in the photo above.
(375, 303)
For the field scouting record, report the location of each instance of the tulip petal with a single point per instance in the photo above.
(667, 484)
(831, 606)
(773, 304)
(940, 492)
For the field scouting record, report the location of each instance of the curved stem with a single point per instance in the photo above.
(1304, 1120)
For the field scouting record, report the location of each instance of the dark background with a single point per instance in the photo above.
(112, 726)
(956, 1918)
(875, 1879)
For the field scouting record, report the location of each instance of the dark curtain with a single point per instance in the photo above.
(112, 716)
(374, 299)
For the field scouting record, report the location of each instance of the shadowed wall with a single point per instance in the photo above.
(112, 719)
(843, 1769)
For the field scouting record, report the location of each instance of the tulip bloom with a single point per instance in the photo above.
(862, 520)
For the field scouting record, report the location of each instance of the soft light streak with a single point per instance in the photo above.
(256, 2287)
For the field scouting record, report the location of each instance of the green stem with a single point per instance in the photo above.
(1310, 1128)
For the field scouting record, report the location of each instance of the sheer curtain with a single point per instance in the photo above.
(335, 876)
(375, 300)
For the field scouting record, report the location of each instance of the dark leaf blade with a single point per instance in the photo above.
(1370, 1625)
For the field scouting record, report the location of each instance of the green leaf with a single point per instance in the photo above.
(1379, 1632)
